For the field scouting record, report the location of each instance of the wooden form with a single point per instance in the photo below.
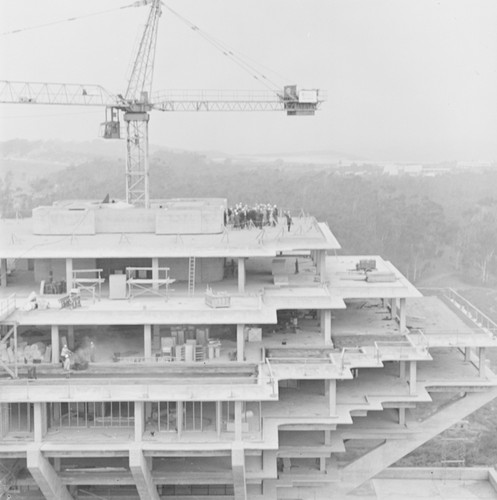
(88, 280)
(139, 284)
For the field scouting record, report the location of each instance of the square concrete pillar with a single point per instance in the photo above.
(326, 326)
(332, 396)
(139, 420)
(241, 274)
(402, 315)
(45, 476)
(219, 418)
(238, 468)
(240, 343)
(70, 337)
(39, 421)
(147, 341)
(69, 270)
(481, 362)
(402, 416)
(55, 345)
(3, 273)
(322, 266)
(412, 377)
(402, 370)
(238, 420)
(393, 308)
(155, 272)
(269, 463)
(179, 417)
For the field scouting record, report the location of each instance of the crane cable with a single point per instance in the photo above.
(76, 18)
(236, 57)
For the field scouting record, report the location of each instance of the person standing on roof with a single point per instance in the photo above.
(288, 220)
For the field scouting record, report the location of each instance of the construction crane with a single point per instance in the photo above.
(137, 102)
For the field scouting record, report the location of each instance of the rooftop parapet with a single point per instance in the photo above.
(176, 216)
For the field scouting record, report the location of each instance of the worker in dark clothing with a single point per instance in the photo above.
(288, 220)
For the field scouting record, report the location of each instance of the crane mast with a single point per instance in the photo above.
(137, 113)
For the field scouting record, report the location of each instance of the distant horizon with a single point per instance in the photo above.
(317, 157)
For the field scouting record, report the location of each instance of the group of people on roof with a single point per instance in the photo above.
(259, 215)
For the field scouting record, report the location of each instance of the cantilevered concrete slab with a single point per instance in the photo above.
(346, 282)
(18, 241)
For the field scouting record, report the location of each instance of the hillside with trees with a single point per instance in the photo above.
(425, 225)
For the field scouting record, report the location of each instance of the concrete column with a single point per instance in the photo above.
(45, 476)
(55, 345)
(56, 414)
(3, 273)
(155, 272)
(219, 418)
(69, 273)
(240, 343)
(238, 420)
(241, 274)
(322, 266)
(332, 397)
(142, 475)
(402, 370)
(402, 416)
(56, 464)
(70, 337)
(139, 420)
(393, 308)
(326, 326)
(481, 362)
(402, 315)
(147, 341)
(412, 377)
(269, 464)
(322, 464)
(467, 354)
(327, 437)
(179, 417)
(39, 421)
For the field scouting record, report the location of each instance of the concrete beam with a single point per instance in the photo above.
(147, 341)
(240, 342)
(241, 274)
(142, 475)
(238, 466)
(45, 476)
(55, 345)
(69, 270)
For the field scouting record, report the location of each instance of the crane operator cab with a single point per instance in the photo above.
(300, 102)
(111, 127)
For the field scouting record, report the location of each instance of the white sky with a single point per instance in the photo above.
(411, 80)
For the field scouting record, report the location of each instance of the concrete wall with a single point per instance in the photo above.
(42, 268)
(206, 270)
(127, 220)
(196, 216)
(50, 220)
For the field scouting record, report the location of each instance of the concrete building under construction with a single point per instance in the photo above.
(211, 361)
